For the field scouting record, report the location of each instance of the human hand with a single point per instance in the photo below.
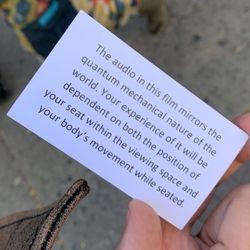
(228, 227)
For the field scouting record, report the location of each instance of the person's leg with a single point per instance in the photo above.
(156, 13)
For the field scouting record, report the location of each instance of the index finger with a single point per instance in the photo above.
(243, 122)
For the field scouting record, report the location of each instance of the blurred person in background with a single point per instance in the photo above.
(39, 24)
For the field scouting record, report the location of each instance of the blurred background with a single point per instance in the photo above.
(206, 47)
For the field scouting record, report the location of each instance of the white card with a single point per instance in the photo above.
(109, 108)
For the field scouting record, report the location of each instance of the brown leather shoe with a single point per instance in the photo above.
(37, 229)
(156, 13)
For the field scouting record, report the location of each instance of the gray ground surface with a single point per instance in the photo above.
(206, 47)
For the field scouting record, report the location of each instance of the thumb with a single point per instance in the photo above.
(142, 230)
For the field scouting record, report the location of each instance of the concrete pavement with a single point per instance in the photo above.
(206, 47)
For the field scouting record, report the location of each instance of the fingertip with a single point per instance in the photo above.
(142, 229)
(243, 122)
(138, 204)
(138, 208)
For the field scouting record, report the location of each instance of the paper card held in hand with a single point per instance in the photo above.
(109, 108)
